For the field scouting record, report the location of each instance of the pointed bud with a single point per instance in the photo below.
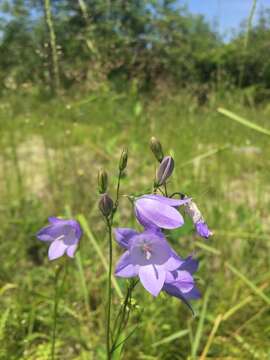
(123, 160)
(105, 205)
(165, 170)
(156, 148)
(102, 181)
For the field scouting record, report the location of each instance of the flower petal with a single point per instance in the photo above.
(55, 220)
(174, 291)
(173, 263)
(56, 249)
(67, 223)
(153, 212)
(202, 229)
(49, 233)
(194, 293)
(71, 250)
(123, 235)
(184, 281)
(152, 278)
(166, 200)
(190, 265)
(124, 268)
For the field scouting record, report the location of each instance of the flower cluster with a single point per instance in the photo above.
(148, 254)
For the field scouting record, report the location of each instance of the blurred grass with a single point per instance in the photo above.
(50, 154)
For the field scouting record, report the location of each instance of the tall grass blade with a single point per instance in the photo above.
(7, 287)
(208, 248)
(81, 218)
(243, 121)
(199, 332)
(241, 304)
(250, 284)
(205, 155)
(172, 337)
(3, 322)
(211, 337)
(83, 281)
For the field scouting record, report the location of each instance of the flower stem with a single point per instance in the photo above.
(55, 309)
(165, 188)
(109, 293)
(123, 315)
(117, 195)
(109, 221)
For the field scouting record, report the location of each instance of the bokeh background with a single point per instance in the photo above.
(79, 80)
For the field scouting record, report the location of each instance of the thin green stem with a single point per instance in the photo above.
(55, 310)
(109, 293)
(117, 194)
(165, 188)
(122, 317)
(182, 196)
(109, 222)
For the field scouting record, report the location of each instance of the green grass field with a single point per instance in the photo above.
(50, 153)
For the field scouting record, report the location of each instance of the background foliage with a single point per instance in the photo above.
(129, 70)
(153, 43)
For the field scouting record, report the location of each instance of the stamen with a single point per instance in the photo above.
(147, 251)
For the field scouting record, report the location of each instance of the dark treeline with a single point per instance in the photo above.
(55, 44)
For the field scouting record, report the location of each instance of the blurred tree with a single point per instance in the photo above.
(54, 69)
(150, 43)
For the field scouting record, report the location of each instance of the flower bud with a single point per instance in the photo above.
(156, 148)
(105, 205)
(123, 160)
(165, 170)
(102, 181)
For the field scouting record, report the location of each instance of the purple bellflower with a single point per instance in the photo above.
(194, 213)
(64, 236)
(159, 211)
(147, 255)
(180, 282)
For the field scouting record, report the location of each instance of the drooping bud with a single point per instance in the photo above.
(165, 170)
(102, 181)
(105, 205)
(195, 214)
(156, 148)
(123, 160)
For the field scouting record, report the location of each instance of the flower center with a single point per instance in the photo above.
(147, 251)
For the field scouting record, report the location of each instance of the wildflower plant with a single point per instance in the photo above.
(148, 257)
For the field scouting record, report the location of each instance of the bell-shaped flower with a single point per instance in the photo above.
(159, 211)
(180, 282)
(147, 255)
(64, 236)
